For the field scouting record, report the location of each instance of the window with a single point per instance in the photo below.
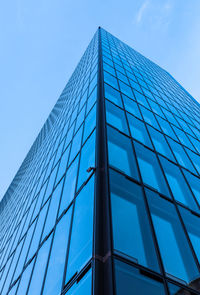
(149, 117)
(90, 123)
(130, 280)
(131, 107)
(39, 269)
(125, 89)
(192, 223)
(181, 155)
(54, 277)
(76, 144)
(82, 231)
(195, 160)
(194, 183)
(160, 143)
(111, 80)
(178, 184)
(23, 284)
(113, 95)
(150, 169)
(87, 159)
(115, 116)
(69, 186)
(177, 256)
(166, 127)
(120, 153)
(63, 164)
(141, 99)
(138, 131)
(83, 287)
(183, 138)
(128, 208)
(53, 209)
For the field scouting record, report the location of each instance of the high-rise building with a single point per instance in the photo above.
(107, 201)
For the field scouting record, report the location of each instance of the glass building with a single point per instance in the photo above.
(107, 201)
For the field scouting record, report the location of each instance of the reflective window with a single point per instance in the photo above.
(149, 117)
(177, 256)
(76, 144)
(83, 287)
(63, 164)
(54, 277)
(53, 209)
(81, 240)
(195, 160)
(192, 223)
(125, 89)
(87, 159)
(178, 184)
(194, 183)
(160, 143)
(23, 284)
(39, 269)
(141, 99)
(69, 186)
(181, 155)
(90, 123)
(130, 280)
(166, 127)
(115, 116)
(131, 106)
(138, 130)
(113, 95)
(150, 169)
(120, 153)
(111, 80)
(128, 208)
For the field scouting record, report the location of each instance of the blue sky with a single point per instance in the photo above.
(43, 40)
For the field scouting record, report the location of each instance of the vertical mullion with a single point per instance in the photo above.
(102, 247)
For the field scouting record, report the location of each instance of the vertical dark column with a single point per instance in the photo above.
(102, 274)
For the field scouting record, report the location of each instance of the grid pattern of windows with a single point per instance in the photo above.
(49, 225)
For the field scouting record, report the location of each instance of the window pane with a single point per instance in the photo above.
(166, 127)
(63, 164)
(138, 130)
(181, 155)
(83, 287)
(25, 279)
(111, 80)
(192, 223)
(150, 169)
(53, 209)
(39, 269)
(69, 186)
(177, 256)
(178, 184)
(76, 144)
(115, 117)
(90, 123)
(54, 277)
(121, 153)
(128, 208)
(87, 159)
(131, 107)
(82, 230)
(194, 183)
(149, 117)
(113, 95)
(130, 280)
(160, 143)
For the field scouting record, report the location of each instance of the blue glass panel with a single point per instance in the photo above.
(87, 159)
(149, 117)
(53, 209)
(177, 256)
(138, 130)
(69, 186)
(195, 160)
(194, 184)
(76, 144)
(23, 284)
(141, 99)
(150, 169)
(83, 287)
(166, 127)
(63, 164)
(181, 155)
(113, 95)
(115, 116)
(111, 80)
(131, 106)
(128, 208)
(39, 269)
(130, 280)
(82, 230)
(54, 277)
(120, 153)
(90, 123)
(125, 89)
(178, 184)
(192, 223)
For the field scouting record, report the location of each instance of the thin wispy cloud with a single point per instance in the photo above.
(141, 11)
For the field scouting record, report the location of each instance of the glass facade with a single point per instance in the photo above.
(107, 201)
